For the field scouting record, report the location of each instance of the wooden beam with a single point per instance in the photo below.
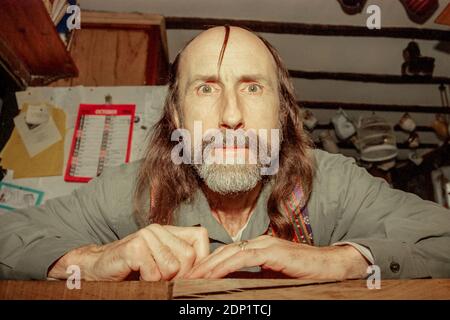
(400, 145)
(191, 23)
(329, 126)
(372, 107)
(120, 20)
(368, 77)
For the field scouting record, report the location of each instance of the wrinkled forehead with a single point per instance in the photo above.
(213, 53)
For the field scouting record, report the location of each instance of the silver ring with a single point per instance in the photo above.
(243, 244)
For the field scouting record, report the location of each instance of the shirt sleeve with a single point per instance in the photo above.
(407, 236)
(364, 251)
(32, 239)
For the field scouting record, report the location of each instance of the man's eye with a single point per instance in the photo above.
(254, 88)
(205, 89)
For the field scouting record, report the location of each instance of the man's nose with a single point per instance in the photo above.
(231, 117)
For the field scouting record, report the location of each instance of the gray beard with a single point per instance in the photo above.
(229, 178)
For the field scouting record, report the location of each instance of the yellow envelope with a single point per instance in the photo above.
(49, 162)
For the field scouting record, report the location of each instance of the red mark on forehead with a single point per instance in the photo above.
(224, 46)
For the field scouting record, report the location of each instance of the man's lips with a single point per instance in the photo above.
(231, 154)
(232, 149)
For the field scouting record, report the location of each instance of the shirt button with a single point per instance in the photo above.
(395, 267)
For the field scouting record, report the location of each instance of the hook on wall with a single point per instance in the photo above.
(108, 99)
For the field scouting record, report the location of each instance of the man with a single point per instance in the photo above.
(311, 215)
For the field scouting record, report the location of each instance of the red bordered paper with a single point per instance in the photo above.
(102, 138)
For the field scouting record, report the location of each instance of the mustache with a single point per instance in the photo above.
(233, 140)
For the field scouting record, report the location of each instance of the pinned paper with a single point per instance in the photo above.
(39, 137)
(37, 114)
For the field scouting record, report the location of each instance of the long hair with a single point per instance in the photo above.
(165, 185)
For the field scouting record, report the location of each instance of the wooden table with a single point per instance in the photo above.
(255, 289)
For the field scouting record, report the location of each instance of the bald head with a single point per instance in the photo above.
(215, 41)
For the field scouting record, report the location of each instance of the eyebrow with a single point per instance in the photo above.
(257, 77)
(203, 78)
(253, 77)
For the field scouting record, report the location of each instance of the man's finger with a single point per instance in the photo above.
(184, 252)
(166, 261)
(148, 270)
(139, 259)
(243, 259)
(195, 236)
(223, 253)
(209, 263)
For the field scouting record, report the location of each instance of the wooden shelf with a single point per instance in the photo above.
(30, 47)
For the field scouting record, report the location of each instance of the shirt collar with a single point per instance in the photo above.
(197, 212)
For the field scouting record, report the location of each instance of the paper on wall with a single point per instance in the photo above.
(37, 138)
(37, 114)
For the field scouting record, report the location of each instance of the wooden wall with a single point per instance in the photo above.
(113, 49)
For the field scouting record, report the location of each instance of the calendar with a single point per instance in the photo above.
(102, 138)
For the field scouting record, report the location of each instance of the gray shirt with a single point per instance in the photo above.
(407, 236)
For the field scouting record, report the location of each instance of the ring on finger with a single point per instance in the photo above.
(243, 244)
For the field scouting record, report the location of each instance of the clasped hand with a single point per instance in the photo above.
(168, 252)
